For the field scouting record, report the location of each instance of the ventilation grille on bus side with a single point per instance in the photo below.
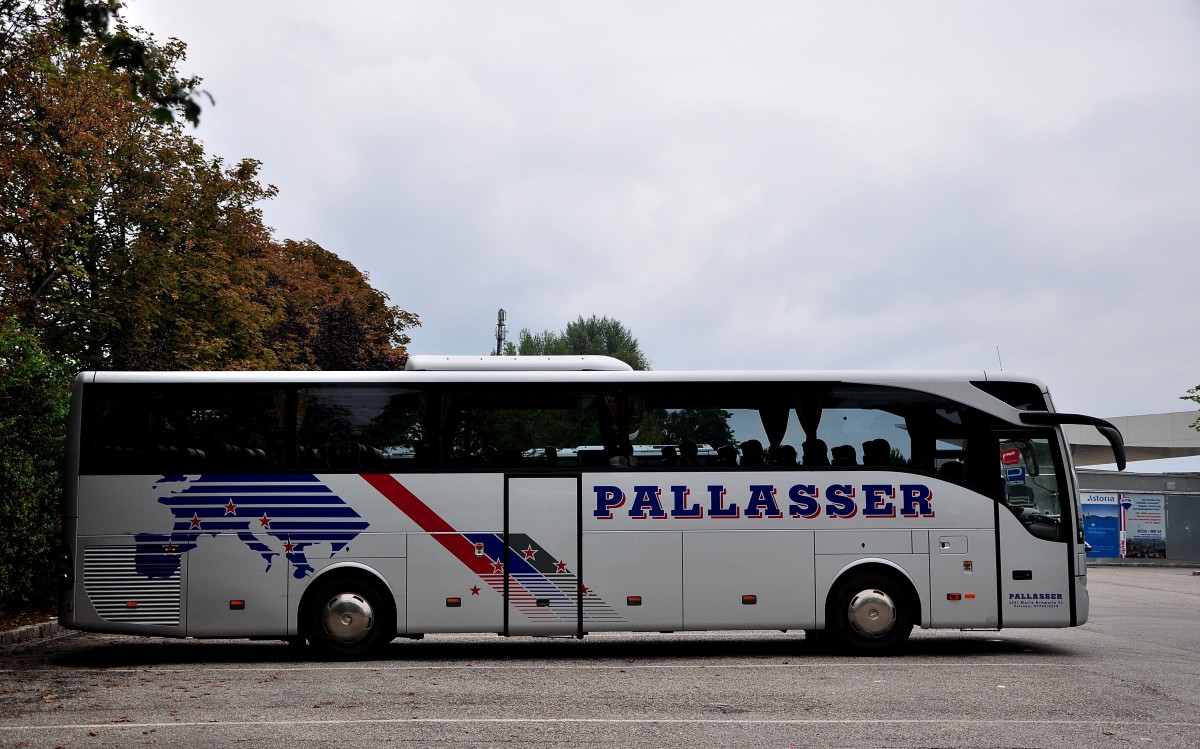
(119, 593)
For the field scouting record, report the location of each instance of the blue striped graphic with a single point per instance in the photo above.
(273, 515)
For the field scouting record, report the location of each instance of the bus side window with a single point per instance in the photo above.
(116, 426)
(522, 429)
(357, 428)
(214, 430)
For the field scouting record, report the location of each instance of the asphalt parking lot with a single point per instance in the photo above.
(1127, 678)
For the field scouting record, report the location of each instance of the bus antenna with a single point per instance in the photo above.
(998, 359)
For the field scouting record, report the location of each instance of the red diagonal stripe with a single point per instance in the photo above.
(429, 521)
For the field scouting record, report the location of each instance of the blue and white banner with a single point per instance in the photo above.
(1102, 527)
(1120, 526)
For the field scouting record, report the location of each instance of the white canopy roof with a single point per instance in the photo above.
(1147, 437)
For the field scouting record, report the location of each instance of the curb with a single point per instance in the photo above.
(31, 632)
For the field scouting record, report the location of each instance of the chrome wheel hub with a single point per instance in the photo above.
(872, 613)
(348, 617)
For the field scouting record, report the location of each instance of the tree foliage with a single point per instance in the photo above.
(34, 396)
(1194, 396)
(522, 430)
(596, 335)
(703, 426)
(123, 245)
(150, 72)
(609, 337)
(331, 317)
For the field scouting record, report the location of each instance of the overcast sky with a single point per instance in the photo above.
(820, 185)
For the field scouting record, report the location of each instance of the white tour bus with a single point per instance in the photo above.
(348, 508)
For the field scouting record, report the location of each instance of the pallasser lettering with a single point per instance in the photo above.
(759, 501)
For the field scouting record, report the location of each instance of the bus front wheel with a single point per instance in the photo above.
(869, 614)
(348, 617)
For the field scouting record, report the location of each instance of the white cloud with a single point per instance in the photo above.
(744, 184)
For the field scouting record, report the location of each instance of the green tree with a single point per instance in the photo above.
(150, 73)
(546, 343)
(595, 335)
(332, 318)
(1194, 396)
(34, 397)
(123, 245)
(702, 426)
(187, 291)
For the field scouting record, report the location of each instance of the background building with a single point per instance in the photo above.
(1131, 515)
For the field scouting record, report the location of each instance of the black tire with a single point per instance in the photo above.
(869, 613)
(348, 617)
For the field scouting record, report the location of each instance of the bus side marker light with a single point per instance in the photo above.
(749, 600)
(453, 603)
(131, 604)
(954, 596)
(237, 605)
(968, 566)
(633, 601)
(970, 595)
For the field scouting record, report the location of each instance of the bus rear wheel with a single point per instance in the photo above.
(348, 617)
(869, 614)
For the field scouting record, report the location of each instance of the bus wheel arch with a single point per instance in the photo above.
(871, 609)
(347, 612)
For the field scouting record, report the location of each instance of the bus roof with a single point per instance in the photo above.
(432, 363)
(451, 371)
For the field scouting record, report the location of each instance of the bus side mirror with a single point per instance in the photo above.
(1118, 444)
(1110, 432)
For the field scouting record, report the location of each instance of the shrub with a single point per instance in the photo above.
(34, 399)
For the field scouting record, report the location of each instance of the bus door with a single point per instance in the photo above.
(962, 550)
(1035, 526)
(542, 531)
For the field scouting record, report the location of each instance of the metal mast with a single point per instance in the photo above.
(501, 331)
